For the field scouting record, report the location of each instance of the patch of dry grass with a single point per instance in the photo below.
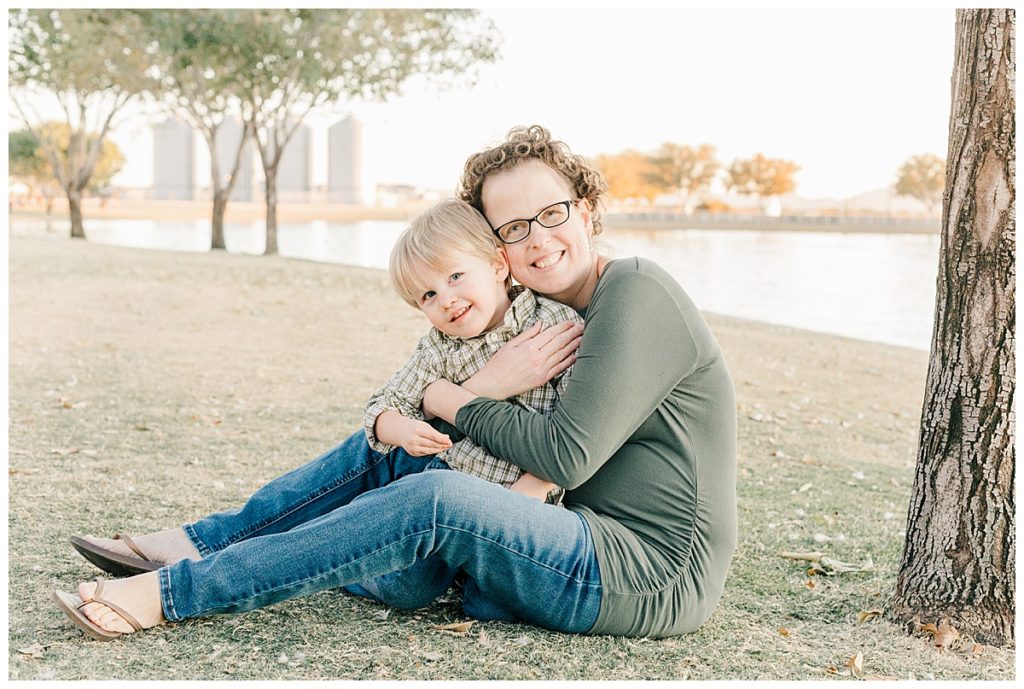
(148, 388)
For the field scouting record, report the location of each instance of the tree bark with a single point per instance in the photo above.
(271, 208)
(959, 556)
(222, 191)
(220, 205)
(75, 210)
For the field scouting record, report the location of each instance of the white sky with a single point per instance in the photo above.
(847, 94)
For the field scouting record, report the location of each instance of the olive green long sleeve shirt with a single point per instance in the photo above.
(644, 439)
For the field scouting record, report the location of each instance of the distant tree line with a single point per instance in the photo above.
(689, 171)
(269, 67)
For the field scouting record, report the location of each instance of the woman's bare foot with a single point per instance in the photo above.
(168, 547)
(138, 595)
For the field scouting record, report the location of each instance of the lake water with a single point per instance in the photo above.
(875, 287)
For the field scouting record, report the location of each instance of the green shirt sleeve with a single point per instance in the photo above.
(637, 346)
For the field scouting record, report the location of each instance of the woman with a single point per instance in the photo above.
(644, 439)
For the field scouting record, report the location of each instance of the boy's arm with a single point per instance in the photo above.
(403, 393)
(416, 437)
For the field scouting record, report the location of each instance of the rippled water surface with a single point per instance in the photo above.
(869, 286)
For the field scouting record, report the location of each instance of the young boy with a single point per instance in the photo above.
(450, 266)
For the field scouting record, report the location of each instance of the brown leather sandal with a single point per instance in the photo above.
(116, 563)
(71, 605)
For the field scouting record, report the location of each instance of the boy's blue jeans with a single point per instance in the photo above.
(382, 527)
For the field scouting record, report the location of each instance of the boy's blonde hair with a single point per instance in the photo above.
(441, 230)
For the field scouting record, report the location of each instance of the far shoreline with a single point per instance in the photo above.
(837, 224)
(249, 212)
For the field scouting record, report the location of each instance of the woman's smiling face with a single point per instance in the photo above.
(558, 262)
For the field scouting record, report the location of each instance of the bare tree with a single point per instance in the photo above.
(198, 76)
(959, 556)
(298, 60)
(92, 63)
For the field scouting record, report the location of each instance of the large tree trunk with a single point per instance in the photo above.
(271, 208)
(959, 556)
(220, 205)
(75, 210)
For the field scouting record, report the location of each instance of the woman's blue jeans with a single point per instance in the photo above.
(381, 526)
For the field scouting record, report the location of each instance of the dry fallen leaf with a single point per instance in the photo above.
(830, 567)
(856, 665)
(783, 631)
(804, 488)
(65, 451)
(946, 635)
(33, 651)
(977, 649)
(810, 584)
(457, 627)
(928, 629)
(865, 615)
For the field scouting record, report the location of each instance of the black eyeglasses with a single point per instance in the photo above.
(552, 216)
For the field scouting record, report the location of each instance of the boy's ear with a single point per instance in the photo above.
(500, 264)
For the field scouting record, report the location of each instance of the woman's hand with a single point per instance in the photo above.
(527, 361)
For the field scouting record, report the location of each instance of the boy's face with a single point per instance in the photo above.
(468, 297)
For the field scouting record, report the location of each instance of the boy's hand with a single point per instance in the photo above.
(419, 438)
(531, 486)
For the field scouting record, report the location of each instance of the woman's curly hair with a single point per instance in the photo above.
(533, 143)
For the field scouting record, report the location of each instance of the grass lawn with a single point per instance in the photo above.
(149, 388)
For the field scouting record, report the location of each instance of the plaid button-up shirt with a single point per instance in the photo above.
(439, 356)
